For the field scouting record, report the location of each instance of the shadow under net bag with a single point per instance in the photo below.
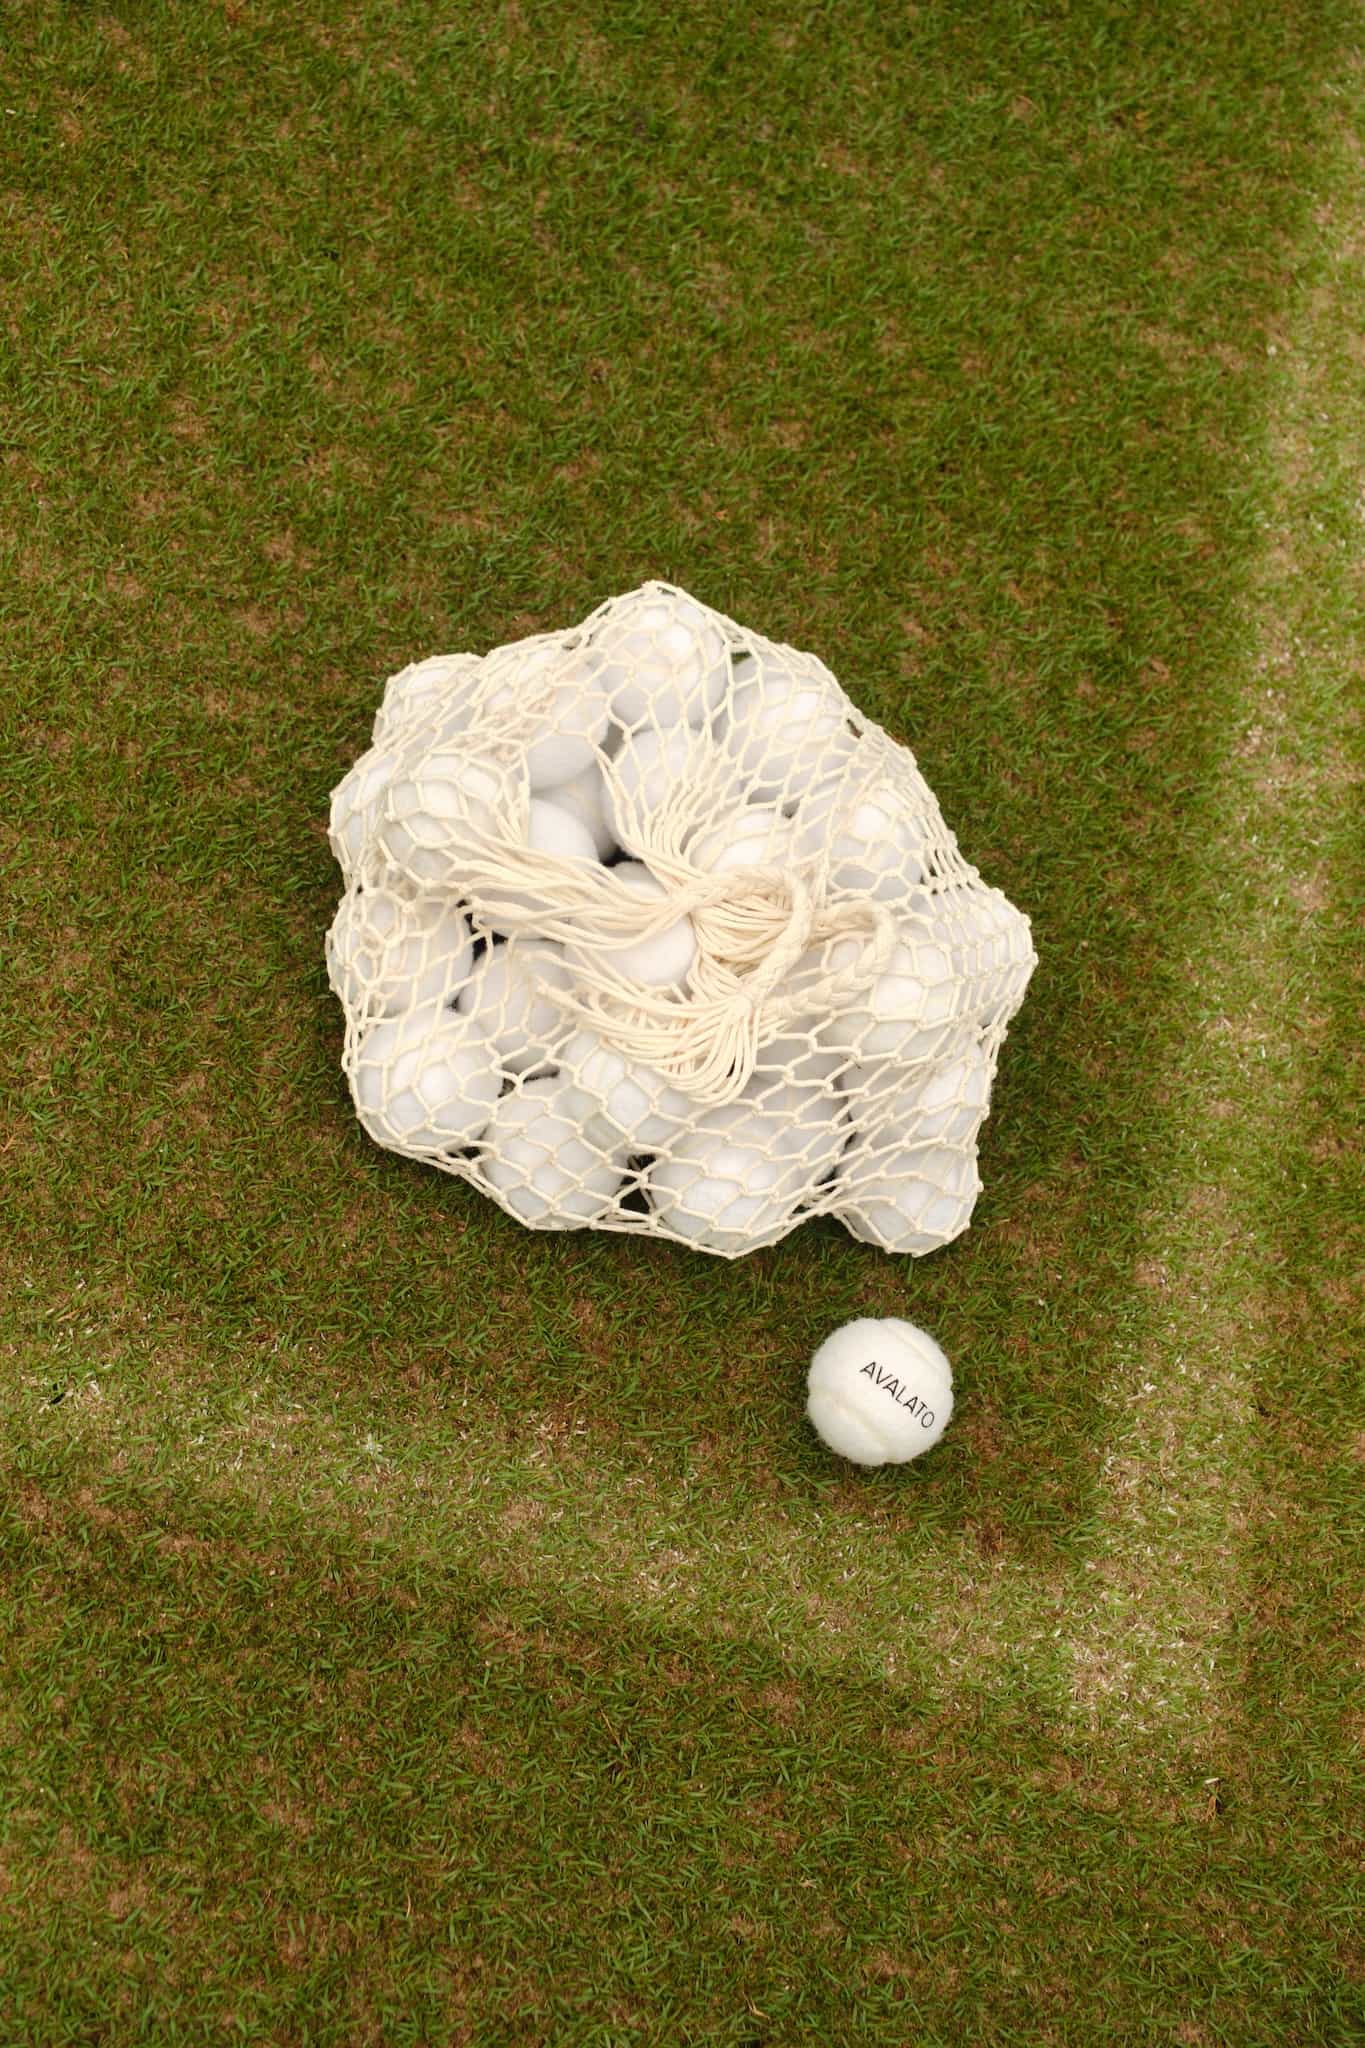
(647, 928)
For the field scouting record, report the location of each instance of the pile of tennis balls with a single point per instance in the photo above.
(647, 928)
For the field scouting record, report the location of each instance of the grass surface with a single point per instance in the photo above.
(423, 1631)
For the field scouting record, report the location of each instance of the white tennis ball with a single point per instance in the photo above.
(879, 1391)
(812, 1119)
(727, 1181)
(559, 689)
(441, 682)
(875, 846)
(623, 1102)
(552, 829)
(357, 805)
(396, 952)
(992, 948)
(585, 797)
(536, 1156)
(431, 811)
(549, 830)
(946, 1101)
(910, 1201)
(425, 1082)
(800, 1057)
(909, 1008)
(663, 659)
(507, 995)
(643, 774)
(786, 726)
(758, 836)
(659, 961)
(798, 1079)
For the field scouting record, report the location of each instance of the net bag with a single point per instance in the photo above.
(647, 928)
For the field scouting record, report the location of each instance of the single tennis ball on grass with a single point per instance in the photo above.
(880, 1391)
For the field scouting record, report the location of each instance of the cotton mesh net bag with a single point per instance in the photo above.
(647, 928)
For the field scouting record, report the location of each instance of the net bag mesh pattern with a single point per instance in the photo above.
(646, 927)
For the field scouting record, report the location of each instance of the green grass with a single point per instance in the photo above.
(423, 1631)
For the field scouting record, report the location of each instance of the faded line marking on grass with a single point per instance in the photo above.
(1185, 1476)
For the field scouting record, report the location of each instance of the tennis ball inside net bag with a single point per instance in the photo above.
(647, 928)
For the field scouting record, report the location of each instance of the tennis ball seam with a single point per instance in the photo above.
(828, 1394)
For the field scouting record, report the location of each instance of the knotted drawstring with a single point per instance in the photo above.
(753, 925)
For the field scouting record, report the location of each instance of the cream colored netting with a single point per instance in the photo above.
(647, 927)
